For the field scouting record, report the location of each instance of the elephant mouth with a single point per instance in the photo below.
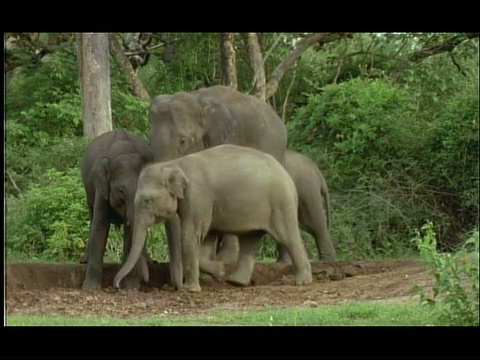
(163, 217)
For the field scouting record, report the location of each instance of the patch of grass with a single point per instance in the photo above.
(361, 314)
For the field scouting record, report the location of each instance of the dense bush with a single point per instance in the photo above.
(51, 218)
(392, 164)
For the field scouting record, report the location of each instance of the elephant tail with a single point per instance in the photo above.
(138, 242)
(326, 199)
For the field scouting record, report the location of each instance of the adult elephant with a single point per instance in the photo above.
(184, 123)
(313, 209)
(110, 168)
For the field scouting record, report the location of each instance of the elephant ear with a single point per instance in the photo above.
(177, 182)
(101, 177)
(217, 122)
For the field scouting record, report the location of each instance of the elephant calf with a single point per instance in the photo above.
(110, 168)
(227, 189)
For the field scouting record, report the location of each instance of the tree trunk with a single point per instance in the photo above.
(117, 51)
(227, 50)
(257, 65)
(96, 103)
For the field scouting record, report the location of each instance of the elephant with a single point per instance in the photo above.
(227, 189)
(313, 208)
(184, 123)
(110, 168)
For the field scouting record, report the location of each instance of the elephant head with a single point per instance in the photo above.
(184, 123)
(116, 181)
(156, 200)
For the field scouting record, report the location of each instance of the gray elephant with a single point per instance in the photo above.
(313, 208)
(184, 123)
(110, 168)
(226, 189)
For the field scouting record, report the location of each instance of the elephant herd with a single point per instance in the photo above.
(218, 175)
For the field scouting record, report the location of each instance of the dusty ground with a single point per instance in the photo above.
(55, 289)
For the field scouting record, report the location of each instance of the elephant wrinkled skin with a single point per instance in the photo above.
(184, 123)
(313, 208)
(110, 168)
(227, 189)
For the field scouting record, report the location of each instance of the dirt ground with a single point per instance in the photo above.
(55, 289)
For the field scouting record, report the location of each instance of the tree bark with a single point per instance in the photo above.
(227, 50)
(117, 51)
(96, 102)
(257, 64)
(320, 38)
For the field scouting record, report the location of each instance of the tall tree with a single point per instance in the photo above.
(95, 79)
(256, 63)
(227, 51)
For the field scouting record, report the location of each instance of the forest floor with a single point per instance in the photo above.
(55, 289)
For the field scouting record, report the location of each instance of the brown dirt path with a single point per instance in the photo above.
(55, 289)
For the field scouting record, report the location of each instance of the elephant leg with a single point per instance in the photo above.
(173, 230)
(84, 257)
(140, 271)
(290, 238)
(229, 249)
(283, 254)
(242, 274)
(97, 241)
(208, 263)
(313, 218)
(190, 257)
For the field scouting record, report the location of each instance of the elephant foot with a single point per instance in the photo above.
(304, 278)
(191, 287)
(214, 268)
(238, 278)
(90, 283)
(205, 276)
(131, 282)
(327, 258)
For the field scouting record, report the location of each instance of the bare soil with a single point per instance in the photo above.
(55, 289)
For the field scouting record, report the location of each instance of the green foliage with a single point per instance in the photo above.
(27, 164)
(376, 145)
(360, 119)
(51, 218)
(45, 100)
(185, 70)
(157, 245)
(456, 278)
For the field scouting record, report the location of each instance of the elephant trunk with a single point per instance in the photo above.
(138, 242)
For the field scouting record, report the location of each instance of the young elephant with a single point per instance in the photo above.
(313, 201)
(225, 189)
(313, 208)
(110, 168)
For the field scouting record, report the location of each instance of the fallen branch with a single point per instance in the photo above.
(13, 182)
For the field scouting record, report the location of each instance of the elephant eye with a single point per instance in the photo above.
(121, 192)
(182, 140)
